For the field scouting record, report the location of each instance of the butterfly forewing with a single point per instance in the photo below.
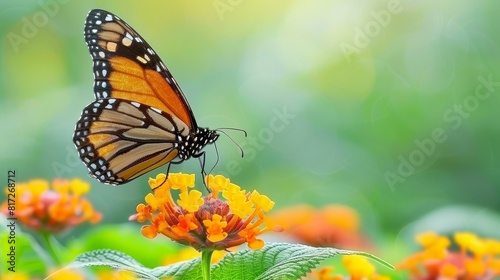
(126, 67)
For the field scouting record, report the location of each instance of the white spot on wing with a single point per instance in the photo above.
(156, 110)
(111, 46)
(126, 41)
(141, 60)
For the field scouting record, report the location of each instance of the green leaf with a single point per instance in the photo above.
(111, 258)
(277, 261)
(273, 261)
(118, 237)
(187, 270)
(118, 260)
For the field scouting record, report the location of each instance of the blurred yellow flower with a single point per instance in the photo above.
(189, 253)
(65, 274)
(116, 275)
(14, 276)
(358, 268)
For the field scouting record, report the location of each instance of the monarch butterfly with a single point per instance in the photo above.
(140, 119)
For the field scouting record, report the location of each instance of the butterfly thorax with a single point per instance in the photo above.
(192, 144)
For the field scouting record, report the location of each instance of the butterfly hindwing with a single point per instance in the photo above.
(110, 132)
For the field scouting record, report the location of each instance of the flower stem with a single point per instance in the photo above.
(49, 244)
(206, 259)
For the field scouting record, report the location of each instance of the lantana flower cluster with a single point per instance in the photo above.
(476, 258)
(204, 223)
(52, 208)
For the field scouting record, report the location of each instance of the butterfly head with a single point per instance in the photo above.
(212, 135)
(205, 136)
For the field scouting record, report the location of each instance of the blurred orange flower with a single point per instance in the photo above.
(51, 208)
(476, 258)
(333, 225)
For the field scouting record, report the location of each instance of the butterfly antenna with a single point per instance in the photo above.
(237, 129)
(233, 128)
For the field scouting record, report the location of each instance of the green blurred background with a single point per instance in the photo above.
(390, 107)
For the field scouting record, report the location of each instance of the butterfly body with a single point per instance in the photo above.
(140, 119)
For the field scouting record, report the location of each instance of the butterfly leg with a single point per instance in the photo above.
(201, 158)
(166, 177)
